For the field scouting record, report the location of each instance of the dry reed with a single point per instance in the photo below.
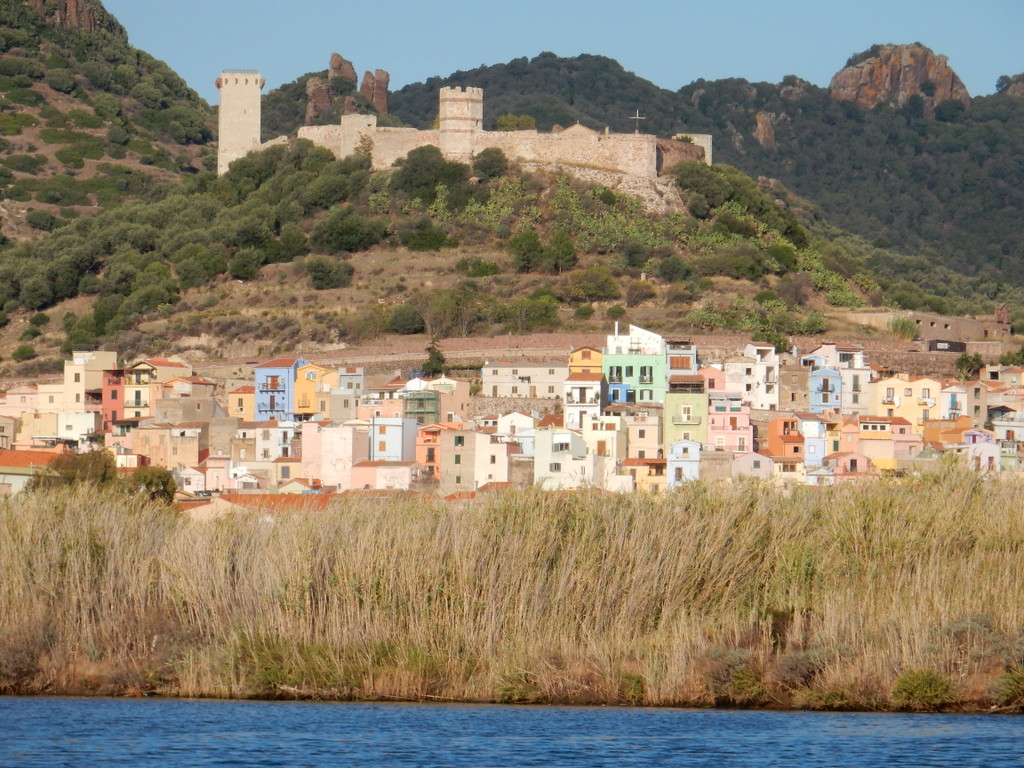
(739, 595)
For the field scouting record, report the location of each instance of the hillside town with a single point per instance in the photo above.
(642, 413)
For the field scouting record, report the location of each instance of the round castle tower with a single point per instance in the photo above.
(238, 121)
(460, 116)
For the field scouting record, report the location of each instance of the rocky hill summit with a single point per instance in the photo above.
(894, 74)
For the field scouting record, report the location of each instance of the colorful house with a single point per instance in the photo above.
(275, 389)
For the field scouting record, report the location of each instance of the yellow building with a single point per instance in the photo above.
(242, 403)
(313, 385)
(914, 398)
(585, 360)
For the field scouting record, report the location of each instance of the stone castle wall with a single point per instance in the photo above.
(459, 136)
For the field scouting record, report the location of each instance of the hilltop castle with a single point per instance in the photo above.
(459, 135)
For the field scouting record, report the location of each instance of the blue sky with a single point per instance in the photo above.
(669, 42)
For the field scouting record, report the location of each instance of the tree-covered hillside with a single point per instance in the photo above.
(86, 120)
(949, 190)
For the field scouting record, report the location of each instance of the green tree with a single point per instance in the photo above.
(93, 468)
(560, 252)
(157, 482)
(406, 319)
(968, 366)
(510, 122)
(526, 249)
(490, 163)
(435, 362)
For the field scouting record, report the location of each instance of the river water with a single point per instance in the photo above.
(97, 733)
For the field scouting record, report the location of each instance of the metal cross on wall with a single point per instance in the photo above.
(637, 118)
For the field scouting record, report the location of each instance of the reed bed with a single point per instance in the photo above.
(741, 595)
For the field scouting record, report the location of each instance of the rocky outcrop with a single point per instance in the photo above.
(67, 13)
(374, 89)
(893, 74)
(764, 132)
(318, 99)
(342, 67)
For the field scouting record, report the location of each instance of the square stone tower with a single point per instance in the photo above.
(238, 128)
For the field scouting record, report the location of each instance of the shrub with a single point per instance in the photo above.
(490, 163)
(344, 229)
(638, 292)
(902, 328)
(325, 272)
(673, 269)
(23, 352)
(406, 319)
(38, 219)
(923, 690)
(424, 236)
(595, 283)
(477, 267)
(616, 312)
(1008, 689)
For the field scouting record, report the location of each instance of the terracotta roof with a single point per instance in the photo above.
(279, 501)
(643, 462)
(585, 377)
(552, 420)
(26, 459)
(287, 460)
(685, 379)
(163, 362)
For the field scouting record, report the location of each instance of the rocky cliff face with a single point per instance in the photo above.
(375, 89)
(895, 73)
(67, 13)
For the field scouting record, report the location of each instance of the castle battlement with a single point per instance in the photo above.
(460, 135)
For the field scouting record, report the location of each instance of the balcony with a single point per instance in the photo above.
(928, 402)
(271, 387)
(680, 421)
(646, 379)
(615, 379)
(888, 400)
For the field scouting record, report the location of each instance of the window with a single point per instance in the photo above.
(551, 390)
(551, 371)
(585, 355)
(811, 449)
(641, 434)
(494, 459)
(460, 440)
(560, 447)
(241, 453)
(907, 392)
(310, 375)
(554, 467)
(629, 370)
(286, 472)
(741, 444)
(458, 458)
(757, 464)
(515, 371)
(382, 445)
(458, 479)
(515, 390)
(926, 392)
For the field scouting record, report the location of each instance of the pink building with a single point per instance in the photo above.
(729, 427)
